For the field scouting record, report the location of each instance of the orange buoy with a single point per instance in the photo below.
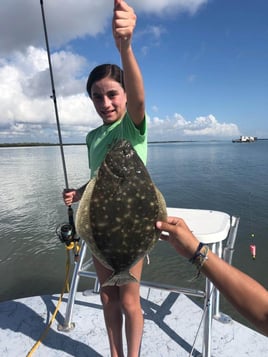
(253, 250)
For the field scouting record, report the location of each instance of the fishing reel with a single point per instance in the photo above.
(66, 233)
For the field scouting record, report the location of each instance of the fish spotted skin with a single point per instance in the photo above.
(118, 211)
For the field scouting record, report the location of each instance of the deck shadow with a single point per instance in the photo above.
(19, 318)
(157, 314)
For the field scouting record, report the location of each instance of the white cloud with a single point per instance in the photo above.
(153, 34)
(154, 31)
(21, 21)
(155, 108)
(191, 78)
(161, 7)
(209, 126)
(178, 128)
(25, 100)
(26, 109)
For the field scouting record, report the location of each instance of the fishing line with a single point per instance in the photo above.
(201, 321)
(252, 246)
(121, 82)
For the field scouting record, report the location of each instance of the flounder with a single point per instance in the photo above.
(117, 213)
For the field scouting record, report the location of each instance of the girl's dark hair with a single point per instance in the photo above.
(105, 70)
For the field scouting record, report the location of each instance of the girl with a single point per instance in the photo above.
(118, 97)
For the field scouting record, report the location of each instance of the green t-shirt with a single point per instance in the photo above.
(101, 139)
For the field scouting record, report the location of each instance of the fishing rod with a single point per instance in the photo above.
(65, 232)
(53, 96)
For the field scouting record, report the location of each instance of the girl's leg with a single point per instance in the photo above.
(130, 302)
(112, 310)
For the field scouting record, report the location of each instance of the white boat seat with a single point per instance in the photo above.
(208, 226)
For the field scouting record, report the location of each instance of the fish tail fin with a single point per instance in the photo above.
(119, 279)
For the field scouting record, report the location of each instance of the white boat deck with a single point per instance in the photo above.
(171, 321)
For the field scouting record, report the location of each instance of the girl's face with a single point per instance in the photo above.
(109, 99)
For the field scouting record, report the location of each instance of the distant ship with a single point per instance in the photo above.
(245, 139)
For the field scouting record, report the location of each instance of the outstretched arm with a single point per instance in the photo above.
(248, 296)
(124, 22)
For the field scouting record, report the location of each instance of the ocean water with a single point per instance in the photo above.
(206, 175)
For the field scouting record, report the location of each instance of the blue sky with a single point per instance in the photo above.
(204, 64)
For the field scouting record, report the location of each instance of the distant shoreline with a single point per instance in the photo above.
(73, 144)
(77, 144)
